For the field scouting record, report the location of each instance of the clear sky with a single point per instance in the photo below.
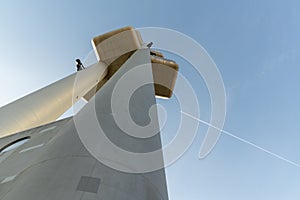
(255, 44)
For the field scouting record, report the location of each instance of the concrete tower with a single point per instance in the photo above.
(64, 159)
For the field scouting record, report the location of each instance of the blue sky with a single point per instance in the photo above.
(255, 45)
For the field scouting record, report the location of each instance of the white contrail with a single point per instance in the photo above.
(243, 140)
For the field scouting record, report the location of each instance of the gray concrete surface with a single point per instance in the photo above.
(54, 164)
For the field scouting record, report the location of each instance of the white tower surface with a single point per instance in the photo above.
(66, 159)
